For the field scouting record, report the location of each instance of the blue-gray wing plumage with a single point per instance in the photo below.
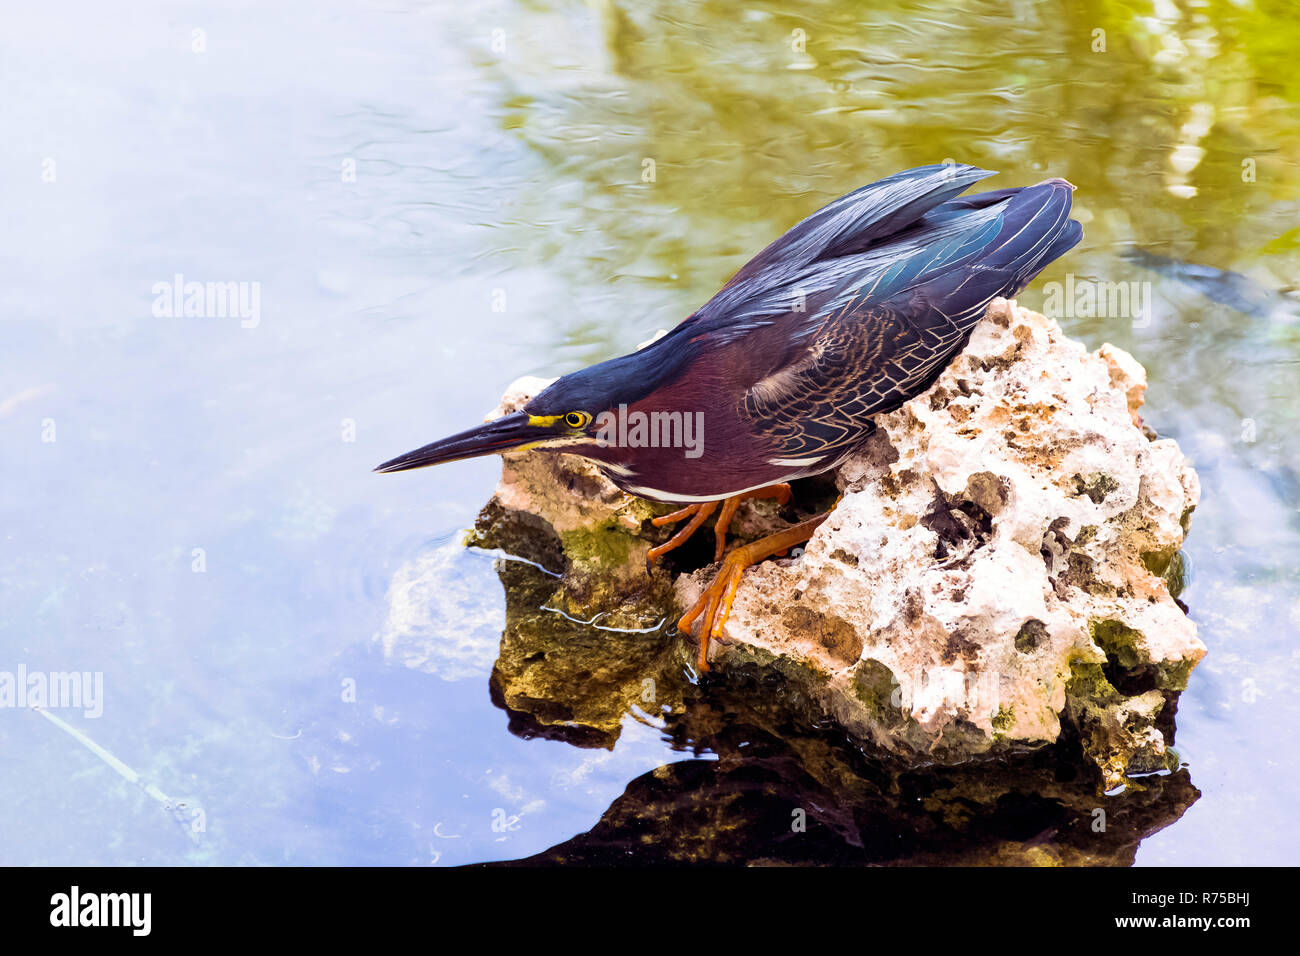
(886, 321)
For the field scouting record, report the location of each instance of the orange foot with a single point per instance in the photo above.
(698, 514)
(715, 602)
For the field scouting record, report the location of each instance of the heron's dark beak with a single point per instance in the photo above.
(500, 434)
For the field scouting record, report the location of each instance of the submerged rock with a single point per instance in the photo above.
(994, 578)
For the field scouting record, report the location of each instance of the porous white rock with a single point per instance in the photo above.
(995, 567)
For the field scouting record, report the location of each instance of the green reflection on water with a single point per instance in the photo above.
(754, 117)
(674, 141)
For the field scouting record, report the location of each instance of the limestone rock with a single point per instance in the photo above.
(599, 535)
(994, 566)
(994, 577)
(583, 644)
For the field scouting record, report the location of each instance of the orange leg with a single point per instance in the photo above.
(715, 602)
(697, 514)
(700, 512)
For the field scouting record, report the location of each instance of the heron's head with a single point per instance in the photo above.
(565, 416)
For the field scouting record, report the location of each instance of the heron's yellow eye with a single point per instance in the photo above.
(576, 419)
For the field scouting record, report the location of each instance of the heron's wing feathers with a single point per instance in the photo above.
(884, 332)
(854, 221)
(867, 357)
(846, 227)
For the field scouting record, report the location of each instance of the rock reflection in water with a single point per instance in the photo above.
(769, 786)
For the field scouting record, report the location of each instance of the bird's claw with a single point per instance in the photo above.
(715, 603)
(700, 512)
(697, 513)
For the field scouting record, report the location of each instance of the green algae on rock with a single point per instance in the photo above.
(585, 644)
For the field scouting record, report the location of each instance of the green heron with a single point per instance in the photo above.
(853, 312)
